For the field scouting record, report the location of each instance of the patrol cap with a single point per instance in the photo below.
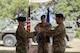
(59, 15)
(21, 19)
(43, 16)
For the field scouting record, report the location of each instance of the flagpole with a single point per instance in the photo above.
(28, 19)
(28, 22)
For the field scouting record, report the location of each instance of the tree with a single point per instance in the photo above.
(68, 7)
(8, 7)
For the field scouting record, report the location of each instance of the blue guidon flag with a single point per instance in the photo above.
(48, 20)
(48, 16)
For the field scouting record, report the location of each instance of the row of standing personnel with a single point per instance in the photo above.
(43, 32)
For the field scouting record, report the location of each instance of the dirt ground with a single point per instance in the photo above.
(72, 47)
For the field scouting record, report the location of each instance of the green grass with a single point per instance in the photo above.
(7, 52)
(78, 33)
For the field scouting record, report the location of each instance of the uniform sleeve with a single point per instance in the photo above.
(34, 33)
(49, 33)
(38, 25)
(58, 30)
(31, 35)
(50, 26)
(16, 32)
(23, 33)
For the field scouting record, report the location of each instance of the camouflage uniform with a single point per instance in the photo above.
(58, 35)
(43, 44)
(22, 36)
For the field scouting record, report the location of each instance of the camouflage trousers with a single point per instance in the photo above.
(43, 48)
(21, 50)
(58, 49)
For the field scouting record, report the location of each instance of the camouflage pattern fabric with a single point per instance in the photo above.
(43, 45)
(58, 34)
(22, 36)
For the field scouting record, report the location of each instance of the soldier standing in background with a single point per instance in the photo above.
(78, 21)
(43, 41)
(22, 36)
(59, 35)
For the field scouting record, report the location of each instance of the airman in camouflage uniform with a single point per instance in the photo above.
(22, 36)
(59, 35)
(41, 29)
